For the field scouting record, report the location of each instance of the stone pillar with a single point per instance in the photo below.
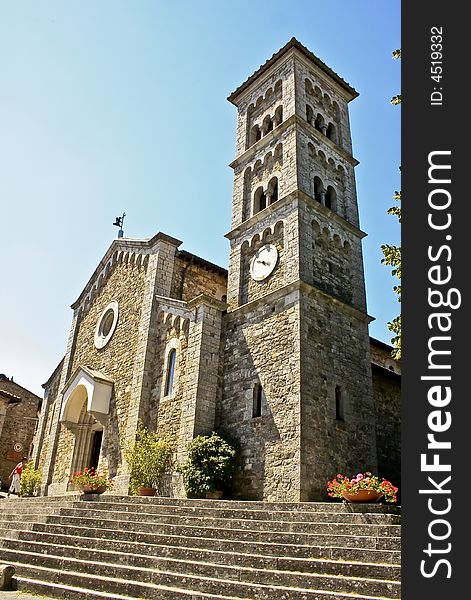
(39, 436)
(158, 283)
(49, 460)
(201, 389)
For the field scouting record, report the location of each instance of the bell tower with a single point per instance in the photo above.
(297, 391)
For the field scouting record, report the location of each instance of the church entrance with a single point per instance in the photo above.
(87, 431)
(97, 438)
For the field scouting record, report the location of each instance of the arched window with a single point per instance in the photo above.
(171, 360)
(273, 190)
(255, 134)
(267, 125)
(331, 198)
(309, 114)
(260, 200)
(332, 132)
(318, 189)
(278, 115)
(319, 124)
(339, 416)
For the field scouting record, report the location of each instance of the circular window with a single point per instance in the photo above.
(106, 325)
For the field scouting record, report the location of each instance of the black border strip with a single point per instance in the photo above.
(435, 567)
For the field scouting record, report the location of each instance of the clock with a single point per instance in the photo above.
(264, 262)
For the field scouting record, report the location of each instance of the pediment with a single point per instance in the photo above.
(90, 386)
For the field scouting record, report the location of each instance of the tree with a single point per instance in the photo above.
(392, 256)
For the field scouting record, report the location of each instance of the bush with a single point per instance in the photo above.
(30, 480)
(148, 458)
(210, 465)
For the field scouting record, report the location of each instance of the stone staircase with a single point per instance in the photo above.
(121, 547)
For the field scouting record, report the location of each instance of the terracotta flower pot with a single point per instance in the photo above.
(90, 489)
(214, 495)
(363, 496)
(146, 491)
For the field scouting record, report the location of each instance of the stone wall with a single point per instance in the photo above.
(19, 424)
(192, 276)
(116, 360)
(387, 398)
(261, 347)
(334, 354)
(43, 434)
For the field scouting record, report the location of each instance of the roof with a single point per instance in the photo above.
(10, 397)
(14, 391)
(294, 43)
(201, 261)
(54, 373)
(380, 344)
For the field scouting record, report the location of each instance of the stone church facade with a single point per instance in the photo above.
(273, 353)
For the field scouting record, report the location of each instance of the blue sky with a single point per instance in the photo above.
(120, 105)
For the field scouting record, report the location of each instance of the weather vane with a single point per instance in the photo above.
(119, 223)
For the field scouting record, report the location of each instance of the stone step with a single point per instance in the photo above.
(296, 548)
(197, 575)
(245, 535)
(332, 506)
(145, 555)
(247, 513)
(50, 589)
(209, 550)
(210, 521)
(137, 581)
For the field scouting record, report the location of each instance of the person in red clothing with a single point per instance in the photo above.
(15, 477)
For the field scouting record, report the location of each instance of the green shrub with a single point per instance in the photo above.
(148, 458)
(30, 481)
(210, 465)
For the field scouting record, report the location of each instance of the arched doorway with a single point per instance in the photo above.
(85, 413)
(88, 432)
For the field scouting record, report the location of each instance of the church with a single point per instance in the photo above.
(273, 353)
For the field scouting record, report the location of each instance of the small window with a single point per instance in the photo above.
(257, 401)
(172, 355)
(339, 416)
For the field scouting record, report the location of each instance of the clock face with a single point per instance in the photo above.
(263, 263)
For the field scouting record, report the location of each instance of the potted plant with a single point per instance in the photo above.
(30, 480)
(89, 481)
(209, 467)
(148, 458)
(364, 487)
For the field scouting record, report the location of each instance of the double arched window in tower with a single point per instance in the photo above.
(319, 123)
(268, 124)
(326, 196)
(265, 197)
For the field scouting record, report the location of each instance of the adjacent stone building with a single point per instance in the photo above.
(19, 411)
(275, 352)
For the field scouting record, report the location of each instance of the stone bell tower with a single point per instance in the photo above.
(297, 392)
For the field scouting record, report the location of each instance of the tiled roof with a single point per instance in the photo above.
(294, 43)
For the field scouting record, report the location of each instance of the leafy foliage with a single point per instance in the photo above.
(30, 480)
(210, 465)
(392, 257)
(396, 99)
(148, 458)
